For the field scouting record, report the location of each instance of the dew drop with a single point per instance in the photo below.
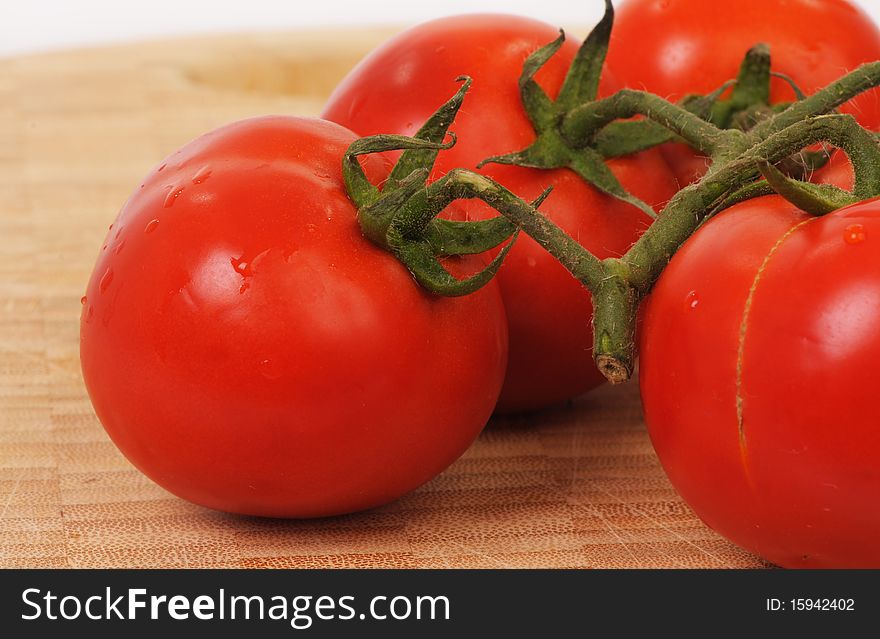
(119, 247)
(854, 234)
(244, 286)
(118, 233)
(151, 226)
(270, 369)
(159, 170)
(201, 175)
(110, 228)
(691, 301)
(172, 196)
(83, 300)
(106, 279)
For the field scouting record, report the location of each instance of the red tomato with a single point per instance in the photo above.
(838, 172)
(676, 47)
(759, 375)
(400, 84)
(250, 351)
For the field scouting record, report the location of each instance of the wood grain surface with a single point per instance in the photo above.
(577, 486)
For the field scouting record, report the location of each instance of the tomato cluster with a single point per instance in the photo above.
(250, 350)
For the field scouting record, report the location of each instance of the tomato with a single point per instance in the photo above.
(759, 373)
(250, 351)
(678, 47)
(400, 84)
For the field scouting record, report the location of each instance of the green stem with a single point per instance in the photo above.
(832, 96)
(464, 184)
(581, 124)
(651, 253)
(404, 219)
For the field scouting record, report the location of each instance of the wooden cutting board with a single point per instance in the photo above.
(577, 486)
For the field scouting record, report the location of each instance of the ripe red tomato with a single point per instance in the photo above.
(400, 84)
(250, 351)
(676, 47)
(759, 376)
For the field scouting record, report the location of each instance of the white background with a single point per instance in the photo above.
(40, 25)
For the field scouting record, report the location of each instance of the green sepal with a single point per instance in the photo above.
(361, 191)
(418, 256)
(376, 217)
(434, 130)
(538, 106)
(582, 80)
(798, 92)
(753, 81)
(590, 165)
(630, 136)
(451, 237)
(815, 199)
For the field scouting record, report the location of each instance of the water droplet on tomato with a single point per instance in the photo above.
(202, 174)
(119, 247)
(244, 286)
(106, 279)
(162, 167)
(854, 234)
(172, 196)
(110, 228)
(270, 369)
(151, 226)
(691, 301)
(83, 300)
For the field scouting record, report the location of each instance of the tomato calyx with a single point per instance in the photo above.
(749, 104)
(402, 216)
(551, 149)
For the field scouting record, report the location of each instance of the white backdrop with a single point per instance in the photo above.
(39, 25)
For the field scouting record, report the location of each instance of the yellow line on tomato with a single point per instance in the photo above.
(741, 345)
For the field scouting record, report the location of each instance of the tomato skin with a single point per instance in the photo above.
(401, 83)
(677, 47)
(250, 351)
(786, 325)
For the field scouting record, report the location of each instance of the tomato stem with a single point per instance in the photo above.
(581, 125)
(402, 217)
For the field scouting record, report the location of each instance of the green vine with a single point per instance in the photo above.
(579, 131)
